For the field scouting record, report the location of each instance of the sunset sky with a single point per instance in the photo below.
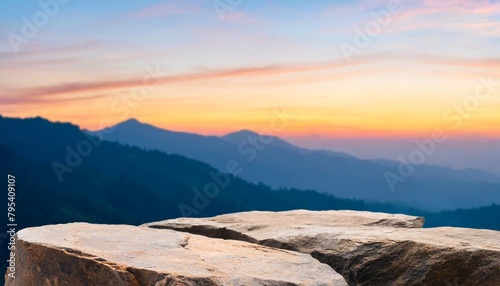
(223, 70)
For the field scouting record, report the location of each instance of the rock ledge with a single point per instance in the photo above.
(366, 248)
(88, 254)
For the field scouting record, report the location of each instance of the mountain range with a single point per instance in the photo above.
(270, 160)
(65, 175)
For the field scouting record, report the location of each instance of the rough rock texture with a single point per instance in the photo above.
(323, 218)
(86, 254)
(366, 248)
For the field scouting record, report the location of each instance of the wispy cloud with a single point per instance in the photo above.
(64, 91)
(36, 49)
(476, 16)
(412, 57)
(484, 63)
(168, 9)
(43, 93)
(6, 99)
(468, 7)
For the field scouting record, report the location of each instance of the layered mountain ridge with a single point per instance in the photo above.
(279, 164)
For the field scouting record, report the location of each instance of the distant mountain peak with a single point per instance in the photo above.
(242, 132)
(243, 135)
(131, 121)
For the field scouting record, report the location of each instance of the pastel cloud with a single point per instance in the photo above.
(53, 92)
(80, 87)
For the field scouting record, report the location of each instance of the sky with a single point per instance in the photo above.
(392, 70)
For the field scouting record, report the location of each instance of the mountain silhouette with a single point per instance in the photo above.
(63, 175)
(280, 164)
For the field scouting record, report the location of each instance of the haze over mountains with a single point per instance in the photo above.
(278, 163)
(459, 152)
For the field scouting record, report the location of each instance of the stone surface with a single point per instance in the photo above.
(366, 248)
(318, 218)
(88, 254)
